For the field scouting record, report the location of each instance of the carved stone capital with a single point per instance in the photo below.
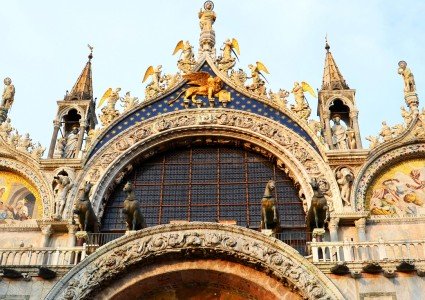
(46, 230)
(72, 228)
(56, 123)
(333, 223)
(81, 235)
(360, 223)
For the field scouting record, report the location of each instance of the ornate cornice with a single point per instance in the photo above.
(227, 242)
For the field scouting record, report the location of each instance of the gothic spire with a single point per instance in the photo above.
(332, 77)
(83, 88)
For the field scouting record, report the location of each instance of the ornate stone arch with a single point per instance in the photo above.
(378, 162)
(202, 241)
(36, 178)
(65, 110)
(345, 100)
(141, 140)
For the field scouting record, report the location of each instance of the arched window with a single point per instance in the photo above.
(208, 184)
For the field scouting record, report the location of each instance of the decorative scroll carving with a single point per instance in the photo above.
(243, 245)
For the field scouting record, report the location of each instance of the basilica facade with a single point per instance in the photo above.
(213, 187)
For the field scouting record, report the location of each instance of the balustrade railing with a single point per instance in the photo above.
(381, 250)
(102, 238)
(42, 256)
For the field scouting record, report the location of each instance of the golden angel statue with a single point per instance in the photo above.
(258, 85)
(409, 79)
(129, 102)
(203, 85)
(155, 87)
(109, 113)
(207, 17)
(187, 58)
(301, 107)
(225, 62)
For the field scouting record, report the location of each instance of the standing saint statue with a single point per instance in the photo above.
(8, 93)
(70, 150)
(207, 16)
(339, 133)
(408, 78)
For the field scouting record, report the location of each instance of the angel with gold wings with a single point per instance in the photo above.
(226, 61)
(187, 58)
(154, 88)
(203, 85)
(258, 85)
(109, 113)
(301, 107)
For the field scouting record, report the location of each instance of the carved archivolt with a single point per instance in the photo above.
(209, 239)
(142, 140)
(377, 164)
(35, 178)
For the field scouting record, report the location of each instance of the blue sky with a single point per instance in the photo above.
(44, 48)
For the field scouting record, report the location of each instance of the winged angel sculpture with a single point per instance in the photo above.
(203, 85)
(258, 85)
(187, 58)
(154, 88)
(301, 107)
(109, 112)
(225, 62)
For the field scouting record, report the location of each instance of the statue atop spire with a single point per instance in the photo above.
(332, 77)
(207, 18)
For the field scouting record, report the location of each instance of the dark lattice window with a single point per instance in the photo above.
(207, 184)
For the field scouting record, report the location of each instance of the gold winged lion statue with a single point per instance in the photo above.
(203, 85)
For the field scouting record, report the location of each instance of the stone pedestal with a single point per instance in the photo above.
(268, 232)
(412, 101)
(82, 237)
(128, 232)
(318, 234)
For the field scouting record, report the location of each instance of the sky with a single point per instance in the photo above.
(44, 48)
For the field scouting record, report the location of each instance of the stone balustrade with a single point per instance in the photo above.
(64, 256)
(347, 251)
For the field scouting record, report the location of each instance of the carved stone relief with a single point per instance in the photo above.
(246, 246)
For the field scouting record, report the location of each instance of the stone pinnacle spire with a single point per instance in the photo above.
(83, 88)
(207, 18)
(332, 77)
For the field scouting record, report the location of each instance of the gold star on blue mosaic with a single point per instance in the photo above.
(113, 132)
(249, 110)
(143, 110)
(137, 114)
(132, 118)
(237, 94)
(160, 105)
(176, 108)
(148, 114)
(142, 118)
(165, 109)
(126, 123)
(120, 127)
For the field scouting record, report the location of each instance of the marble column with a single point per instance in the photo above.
(361, 229)
(327, 129)
(333, 229)
(56, 126)
(46, 231)
(354, 116)
(80, 138)
(72, 229)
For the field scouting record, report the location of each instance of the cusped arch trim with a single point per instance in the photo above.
(35, 178)
(141, 140)
(226, 242)
(381, 160)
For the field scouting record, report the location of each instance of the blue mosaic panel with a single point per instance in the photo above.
(239, 102)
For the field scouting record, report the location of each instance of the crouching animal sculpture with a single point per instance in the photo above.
(318, 213)
(132, 212)
(84, 210)
(269, 212)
